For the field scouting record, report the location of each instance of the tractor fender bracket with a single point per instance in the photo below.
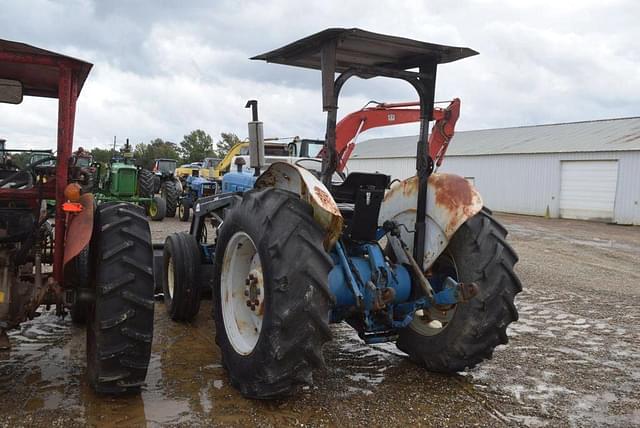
(451, 201)
(282, 175)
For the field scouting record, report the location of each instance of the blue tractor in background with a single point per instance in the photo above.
(287, 250)
(195, 187)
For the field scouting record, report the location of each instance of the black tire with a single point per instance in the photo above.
(184, 210)
(182, 252)
(157, 183)
(297, 299)
(170, 193)
(480, 254)
(157, 209)
(145, 183)
(120, 321)
(82, 278)
(89, 182)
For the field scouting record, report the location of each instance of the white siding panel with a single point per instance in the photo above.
(524, 184)
(588, 189)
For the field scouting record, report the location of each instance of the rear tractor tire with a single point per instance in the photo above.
(157, 209)
(170, 192)
(145, 183)
(157, 183)
(466, 335)
(82, 278)
(180, 276)
(120, 320)
(270, 293)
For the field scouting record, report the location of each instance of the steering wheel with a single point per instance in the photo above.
(28, 168)
(315, 172)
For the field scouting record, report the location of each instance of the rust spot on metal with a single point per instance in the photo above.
(333, 232)
(408, 187)
(267, 179)
(452, 191)
(454, 194)
(326, 201)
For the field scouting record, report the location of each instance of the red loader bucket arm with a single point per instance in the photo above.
(384, 114)
(387, 114)
(443, 130)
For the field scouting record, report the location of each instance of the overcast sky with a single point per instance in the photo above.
(164, 68)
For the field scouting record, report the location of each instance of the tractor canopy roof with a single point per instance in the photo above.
(38, 69)
(359, 48)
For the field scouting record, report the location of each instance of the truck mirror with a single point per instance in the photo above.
(10, 91)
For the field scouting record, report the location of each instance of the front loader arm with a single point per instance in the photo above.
(386, 114)
(443, 130)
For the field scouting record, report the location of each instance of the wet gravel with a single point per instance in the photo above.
(572, 359)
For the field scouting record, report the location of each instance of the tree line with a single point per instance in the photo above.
(194, 147)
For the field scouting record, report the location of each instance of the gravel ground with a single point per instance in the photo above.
(572, 359)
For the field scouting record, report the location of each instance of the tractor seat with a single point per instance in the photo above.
(359, 199)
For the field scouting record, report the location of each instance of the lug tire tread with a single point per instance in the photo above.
(484, 257)
(120, 324)
(296, 269)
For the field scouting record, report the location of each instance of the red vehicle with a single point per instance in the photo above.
(387, 114)
(93, 261)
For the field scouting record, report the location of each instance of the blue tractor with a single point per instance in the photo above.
(418, 262)
(195, 187)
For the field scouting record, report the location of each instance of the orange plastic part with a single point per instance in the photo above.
(72, 207)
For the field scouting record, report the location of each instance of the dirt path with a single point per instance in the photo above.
(572, 360)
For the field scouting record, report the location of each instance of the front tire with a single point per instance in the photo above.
(184, 210)
(157, 208)
(180, 276)
(271, 298)
(477, 252)
(120, 321)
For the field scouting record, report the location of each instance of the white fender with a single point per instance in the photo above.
(451, 200)
(293, 178)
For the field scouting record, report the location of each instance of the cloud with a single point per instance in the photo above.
(164, 68)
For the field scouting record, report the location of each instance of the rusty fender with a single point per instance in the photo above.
(451, 200)
(282, 175)
(79, 228)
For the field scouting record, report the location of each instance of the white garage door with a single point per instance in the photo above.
(588, 189)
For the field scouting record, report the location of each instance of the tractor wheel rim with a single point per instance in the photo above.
(433, 321)
(242, 293)
(153, 210)
(170, 278)
(181, 210)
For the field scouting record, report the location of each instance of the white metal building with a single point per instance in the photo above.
(581, 170)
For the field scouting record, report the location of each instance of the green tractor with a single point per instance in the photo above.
(122, 180)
